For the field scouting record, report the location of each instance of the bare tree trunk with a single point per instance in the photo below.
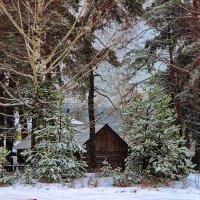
(7, 116)
(23, 123)
(10, 134)
(36, 67)
(173, 77)
(2, 111)
(92, 150)
(47, 52)
(195, 5)
(195, 15)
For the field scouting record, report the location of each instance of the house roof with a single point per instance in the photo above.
(24, 144)
(83, 133)
(98, 131)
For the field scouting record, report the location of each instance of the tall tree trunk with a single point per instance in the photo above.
(196, 32)
(92, 149)
(10, 134)
(173, 77)
(36, 67)
(23, 123)
(1, 111)
(195, 5)
(7, 116)
(47, 52)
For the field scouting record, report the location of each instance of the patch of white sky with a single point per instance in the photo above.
(134, 38)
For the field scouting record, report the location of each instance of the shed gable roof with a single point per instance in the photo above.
(106, 126)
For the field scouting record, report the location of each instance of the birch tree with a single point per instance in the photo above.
(43, 35)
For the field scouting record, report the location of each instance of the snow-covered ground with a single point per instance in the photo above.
(187, 190)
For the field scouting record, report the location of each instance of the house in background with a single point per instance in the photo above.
(109, 145)
(25, 144)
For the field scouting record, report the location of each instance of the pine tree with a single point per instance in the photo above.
(174, 47)
(3, 154)
(179, 34)
(56, 156)
(156, 150)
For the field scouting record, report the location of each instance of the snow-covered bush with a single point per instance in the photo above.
(120, 178)
(7, 180)
(156, 150)
(28, 175)
(56, 156)
(106, 170)
(3, 179)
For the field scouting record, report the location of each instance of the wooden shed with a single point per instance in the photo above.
(109, 146)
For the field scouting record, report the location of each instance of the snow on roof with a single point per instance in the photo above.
(24, 144)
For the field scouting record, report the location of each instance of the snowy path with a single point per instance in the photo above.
(52, 192)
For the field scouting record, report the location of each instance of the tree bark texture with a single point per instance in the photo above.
(36, 68)
(92, 151)
(173, 77)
